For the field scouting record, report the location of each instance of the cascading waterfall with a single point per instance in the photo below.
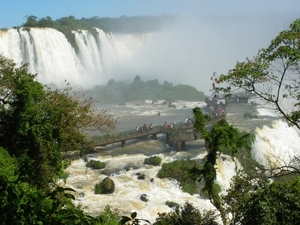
(52, 57)
(276, 146)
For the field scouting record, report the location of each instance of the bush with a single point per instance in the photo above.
(154, 160)
(172, 204)
(216, 189)
(106, 186)
(250, 116)
(186, 172)
(94, 164)
(187, 215)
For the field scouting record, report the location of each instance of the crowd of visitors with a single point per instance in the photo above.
(144, 128)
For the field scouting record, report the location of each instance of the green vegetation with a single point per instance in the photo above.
(272, 75)
(117, 25)
(119, 92)
(106, 186)
(187, 215)
(123, 24)
(154, 160)
(37, 125)
(96, 165)
(254, 199)
(222, 138)
(186, 172)
(250, 116)
(172, 204)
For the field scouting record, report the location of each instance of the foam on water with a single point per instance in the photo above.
(265, 112)
(129, 188)
(276, 145)
(123, 165)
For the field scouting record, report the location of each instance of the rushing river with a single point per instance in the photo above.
(123, 165)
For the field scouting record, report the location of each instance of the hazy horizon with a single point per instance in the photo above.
(190, 51)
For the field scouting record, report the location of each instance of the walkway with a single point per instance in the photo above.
(181, 133)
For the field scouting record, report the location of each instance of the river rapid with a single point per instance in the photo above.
(123, 164)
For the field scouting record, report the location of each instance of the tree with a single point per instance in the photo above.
(31, 21)
(187, 215)
(37, 124)
(272, 75)
(222, 138)
(8, 165)
(257, 200)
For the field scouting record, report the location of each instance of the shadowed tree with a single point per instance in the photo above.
(38, 124)
(273, 75)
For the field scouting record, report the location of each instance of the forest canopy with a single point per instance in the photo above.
(120, 92)
(123, 24)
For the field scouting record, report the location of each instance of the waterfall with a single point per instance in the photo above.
(53, 58)
(277, 145)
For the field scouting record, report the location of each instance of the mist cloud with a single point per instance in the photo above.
(195, 47)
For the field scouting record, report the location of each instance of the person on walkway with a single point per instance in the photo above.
(150, 126)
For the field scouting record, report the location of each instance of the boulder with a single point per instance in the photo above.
(106, 186)
(144, 198)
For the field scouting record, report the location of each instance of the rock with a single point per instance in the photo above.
(106, 186)
(141, 177)
(144, 198)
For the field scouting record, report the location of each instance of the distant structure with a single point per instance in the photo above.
(217, 100)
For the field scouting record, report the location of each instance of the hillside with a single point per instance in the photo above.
(120, 92)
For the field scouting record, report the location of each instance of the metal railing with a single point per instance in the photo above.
(174, 132)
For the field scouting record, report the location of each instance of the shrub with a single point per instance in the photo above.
(106, 186)
(94, 164)
(250, 116)
(172, 204)
(186, 172)
(187, 215)
(154, 160)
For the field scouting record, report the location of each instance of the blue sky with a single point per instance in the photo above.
(14, 12)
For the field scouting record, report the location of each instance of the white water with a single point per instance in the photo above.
(124, 164)
(52, 57)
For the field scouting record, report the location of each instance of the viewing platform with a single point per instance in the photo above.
(179, 134)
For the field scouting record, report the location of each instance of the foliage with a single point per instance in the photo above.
(222, 138)
(106, 186)
(120, 92)
(172, 204)
(253, 200)
(109, 217)
(186, 172)
(187, 215)
(272, 75)
(199, 122)
(38, 124)
(67, 25)
(8, 165)
(22, 204)
(250, 116)
(96, 165)
(132, 219)
(153, 160)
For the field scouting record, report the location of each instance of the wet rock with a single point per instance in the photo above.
(141, 177)
(144, 198)
(106, 186)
